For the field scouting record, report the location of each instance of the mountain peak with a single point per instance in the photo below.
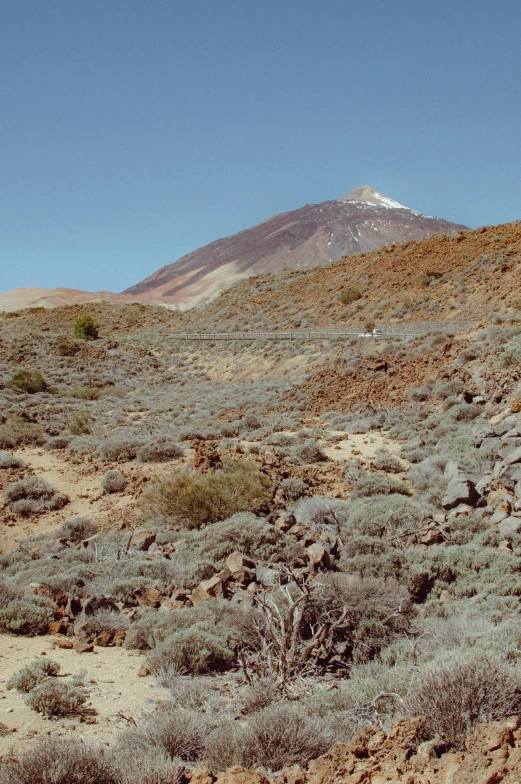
(367, 194)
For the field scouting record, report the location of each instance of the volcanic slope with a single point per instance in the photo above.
(444, 278)
(311, 236)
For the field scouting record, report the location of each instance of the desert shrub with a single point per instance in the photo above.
(384, 461)
(160, 451)
(318, 511)
(113, 482)
(78, 423)
(8, 460)
(179, 734)
(22, 616)
(376, 612)
(511, 357)
(77, 529)
(17, 430)
(243, 532)
(367, 483)
(448, 388)
(293, 488)
(59, 761)
(33, 496)
(56, 698)
(259, 695)
(192, 500)
(85, 393)
(192, 650)
(58, 442)
(83, 445)
(427, 478)
(150, 766)
(310, 452)
(66, 347)
(104, 621)
(29, 381)
(85, 328)
(379, 515)
(456, 696)
(348, 296)
(119, 447)
(464, 412)
(283, 734)
(33, 674)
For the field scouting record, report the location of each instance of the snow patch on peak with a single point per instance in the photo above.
(367, 195)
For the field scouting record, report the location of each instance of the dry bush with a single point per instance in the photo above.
(283, 735)
(457, 696)
(259, 695)
(33, 674)
(119, 447)
(7, 460)
(384, 461)
(66, 347)
(151, 766)
(104, 621)
(17, 430)
(78, 423)
(59, 761)
(310, 452)
(29, 381)
(367, 484)
(193, 500)
(56, 698)
(85, 393)
(193, 650)
(22, 616)
(293, 488)
(33, 496)
(114, 482)
(77, 529)
(160, 451)
(179, 734)
(348, 296)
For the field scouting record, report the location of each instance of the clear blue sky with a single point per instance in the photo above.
(134, 131)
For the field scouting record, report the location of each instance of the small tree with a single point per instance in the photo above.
(86, 328)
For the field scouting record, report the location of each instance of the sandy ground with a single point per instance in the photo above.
(83, 490)
(111, 679)
(361, 445)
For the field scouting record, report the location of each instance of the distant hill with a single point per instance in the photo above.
(363, 220)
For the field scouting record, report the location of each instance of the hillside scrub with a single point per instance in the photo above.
(192, 500)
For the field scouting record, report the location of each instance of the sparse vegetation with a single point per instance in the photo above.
(85, 328)
(29, 381)
(191, 501)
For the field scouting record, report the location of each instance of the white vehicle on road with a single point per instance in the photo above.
(371, 333)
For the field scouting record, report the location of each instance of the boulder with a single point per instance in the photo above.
(82, 646)
(236, 562)
(460, 490)
(318, 555)
(148, 597)
(142, 539)
(514, 457)
(509, 526)
(95, 603)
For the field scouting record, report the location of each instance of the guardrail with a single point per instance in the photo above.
(414, 329)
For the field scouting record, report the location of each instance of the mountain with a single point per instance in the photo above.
(363, 220)
(18, 299)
